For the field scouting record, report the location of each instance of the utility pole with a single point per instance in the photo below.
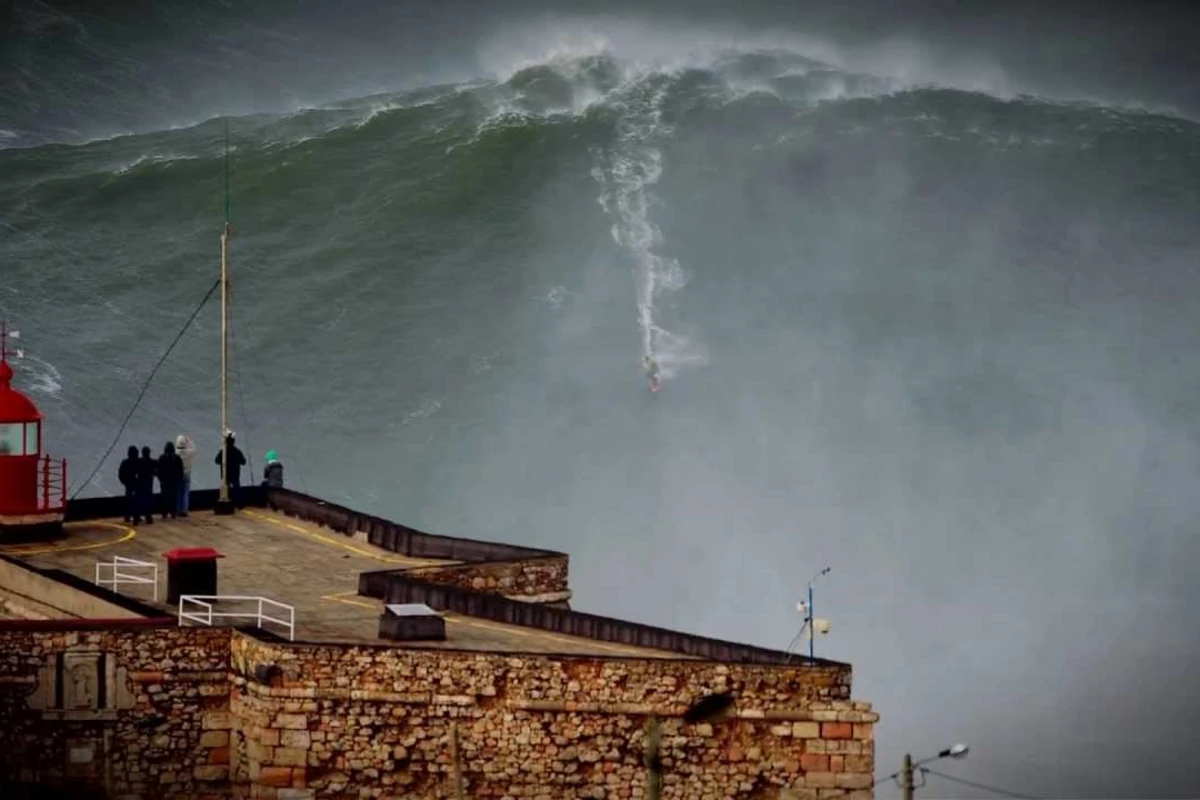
(910, 767)
(224, 504)
(811, 623)
(812, 637)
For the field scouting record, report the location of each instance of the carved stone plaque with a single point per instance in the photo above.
(81, 681)
(85, 759)
(82, 685)
(83, 753)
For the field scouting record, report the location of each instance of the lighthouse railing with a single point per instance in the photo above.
(52, 477)
(122, 570)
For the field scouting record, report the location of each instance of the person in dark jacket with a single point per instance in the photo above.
(170, 475)
(127, 474)
(273, 471)
(145, 484)
(237, 460)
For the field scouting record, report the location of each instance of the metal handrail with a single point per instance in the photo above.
(52, 477)
(208, 615)
(118, 578)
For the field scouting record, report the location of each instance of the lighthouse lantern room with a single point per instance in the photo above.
(33, 486)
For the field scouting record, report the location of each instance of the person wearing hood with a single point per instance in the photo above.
(273, 471)
(186, 450)
(170, 475)
(127, 474)
(146, 469)
(233, 474)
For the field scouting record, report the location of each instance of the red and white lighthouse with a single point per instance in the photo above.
(33, 487)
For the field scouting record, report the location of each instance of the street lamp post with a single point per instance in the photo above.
(910, 766)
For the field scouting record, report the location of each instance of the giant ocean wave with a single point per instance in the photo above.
(451, 148)
(936, 333)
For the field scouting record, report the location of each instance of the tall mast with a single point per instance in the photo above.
(223, 504)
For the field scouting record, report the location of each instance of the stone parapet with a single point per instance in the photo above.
(537, 579)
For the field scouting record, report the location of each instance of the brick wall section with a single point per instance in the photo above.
(350, 722)
(541, 579)
(179, 676)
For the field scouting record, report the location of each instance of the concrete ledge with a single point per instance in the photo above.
(76, 624)
(38, 518)
(553, 597)
(27, 588)
(89, 508)
(31, 528)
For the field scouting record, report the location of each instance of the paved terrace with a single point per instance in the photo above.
(304, 565)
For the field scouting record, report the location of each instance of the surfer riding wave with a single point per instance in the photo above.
(652, 373)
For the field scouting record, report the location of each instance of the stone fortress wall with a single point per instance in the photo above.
(142, 709)
(168, 712)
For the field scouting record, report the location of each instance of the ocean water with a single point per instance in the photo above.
(942, 339)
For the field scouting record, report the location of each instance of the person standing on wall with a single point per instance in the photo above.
(186, 450)
(237, 460)
(170, 476)
(273, 471)
(147, 466)
(127, 473)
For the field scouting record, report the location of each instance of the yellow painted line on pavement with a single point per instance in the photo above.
(330, 540)
(344, 597)
(20, 551)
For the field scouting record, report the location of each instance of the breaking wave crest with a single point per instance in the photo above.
(349, 169)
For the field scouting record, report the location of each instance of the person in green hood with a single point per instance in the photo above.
(273, 471)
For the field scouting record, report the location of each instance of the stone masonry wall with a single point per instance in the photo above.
(358, 722)
(208, 714)
(140, 712)
(538, 580)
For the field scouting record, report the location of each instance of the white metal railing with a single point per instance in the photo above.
(205, 614)
(122, 571)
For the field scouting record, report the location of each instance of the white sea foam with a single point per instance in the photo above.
(627, 172)
(426, 408)
(644, 45)
(557, 296)
(39, 377)
(149, 159)
(483, 363)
